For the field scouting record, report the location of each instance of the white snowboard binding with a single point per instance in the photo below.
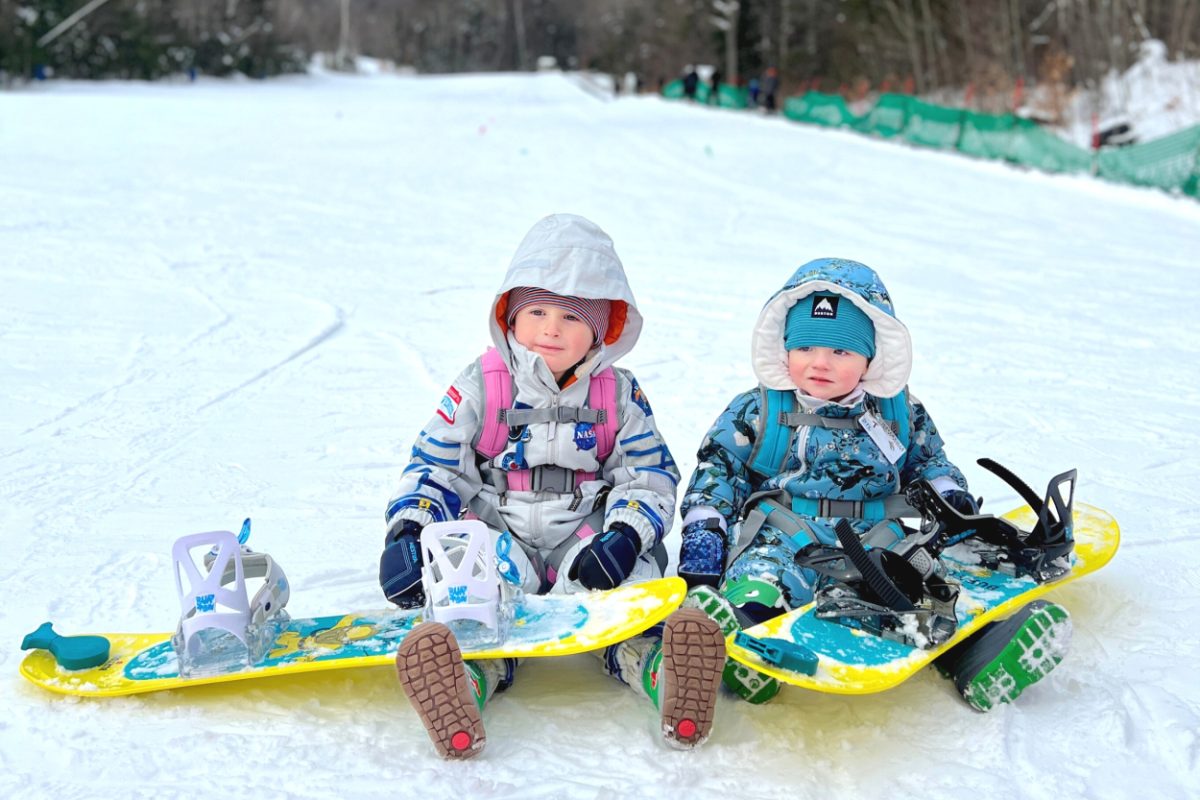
(221, 627)
(463, 588)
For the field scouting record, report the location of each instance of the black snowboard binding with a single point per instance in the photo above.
(1043, 553)
(897, 595)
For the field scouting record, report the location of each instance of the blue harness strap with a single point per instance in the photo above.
(773, 444)
(774, 440)
(895, 409)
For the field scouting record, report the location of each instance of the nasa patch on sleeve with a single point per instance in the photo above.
(448, 408)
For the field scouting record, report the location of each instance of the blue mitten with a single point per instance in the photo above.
(962, 502)
(606, 561)
(702, 554)
(400, 566)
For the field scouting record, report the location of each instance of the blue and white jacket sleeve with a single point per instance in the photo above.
(640, 468)
(442, 474)
(722, 480)
(926, 453)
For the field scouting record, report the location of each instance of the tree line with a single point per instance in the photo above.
(922, 45)
(144, 39)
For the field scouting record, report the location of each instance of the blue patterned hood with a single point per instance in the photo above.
(889, 370)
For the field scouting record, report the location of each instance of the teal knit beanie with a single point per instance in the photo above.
(825, 319)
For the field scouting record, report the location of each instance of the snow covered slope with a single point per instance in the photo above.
(244, 299)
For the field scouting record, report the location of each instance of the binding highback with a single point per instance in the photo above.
(205, 601)
(460, 572)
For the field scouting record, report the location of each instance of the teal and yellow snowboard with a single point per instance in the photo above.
(853, 661)
(547, 625)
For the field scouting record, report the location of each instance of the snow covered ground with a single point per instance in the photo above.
(244, 299)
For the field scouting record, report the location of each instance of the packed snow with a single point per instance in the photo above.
(230, 299)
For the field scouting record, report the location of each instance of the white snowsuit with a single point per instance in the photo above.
(448, 477)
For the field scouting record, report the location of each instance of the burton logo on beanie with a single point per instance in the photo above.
(826, 307)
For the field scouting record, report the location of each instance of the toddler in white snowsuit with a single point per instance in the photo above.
(547, 443)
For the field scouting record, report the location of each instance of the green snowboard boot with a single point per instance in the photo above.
(997, 663)
(751, 686)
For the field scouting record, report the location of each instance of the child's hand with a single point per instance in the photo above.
(400, 566)
(607, 559)
(962, 502)
(702, 554)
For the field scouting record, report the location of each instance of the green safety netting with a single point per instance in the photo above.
(732, 96)
(1033, 147)
(728, 96)
(818, 109)
(932, 126)
(887, 118)
(1171, 163)
(986, 135)
(673, 90)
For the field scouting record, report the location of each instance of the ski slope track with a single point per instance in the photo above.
(231, 299)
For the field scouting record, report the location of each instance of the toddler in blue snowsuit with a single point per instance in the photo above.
(830, 433)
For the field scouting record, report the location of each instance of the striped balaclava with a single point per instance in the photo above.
(593, 312)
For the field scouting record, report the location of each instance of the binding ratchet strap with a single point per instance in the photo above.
(871, 569)
(272, 596)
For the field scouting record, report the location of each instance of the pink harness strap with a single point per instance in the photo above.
(602, 395)
(498, 397)
(519, 480)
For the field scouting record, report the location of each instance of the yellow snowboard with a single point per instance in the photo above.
(546, 625)
(852, 661)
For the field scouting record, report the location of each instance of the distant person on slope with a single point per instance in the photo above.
(577, 473)
(691, 82)
(770, 88)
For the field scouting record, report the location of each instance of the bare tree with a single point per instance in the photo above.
(905, 22)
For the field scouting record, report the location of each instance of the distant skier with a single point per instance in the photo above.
(831, 433)
(770, 88)
(752, 92)
(714, 92)
(543, 438)
(691, 82)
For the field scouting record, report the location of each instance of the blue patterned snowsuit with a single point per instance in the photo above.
(822, 463)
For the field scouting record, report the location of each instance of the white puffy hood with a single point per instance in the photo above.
(889, 369)
(569, 255)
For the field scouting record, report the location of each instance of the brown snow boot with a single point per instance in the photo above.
(443, 689)
(693, 655)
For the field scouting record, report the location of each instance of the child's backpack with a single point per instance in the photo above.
(499, 417)
(778, 424)
(776, 429)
